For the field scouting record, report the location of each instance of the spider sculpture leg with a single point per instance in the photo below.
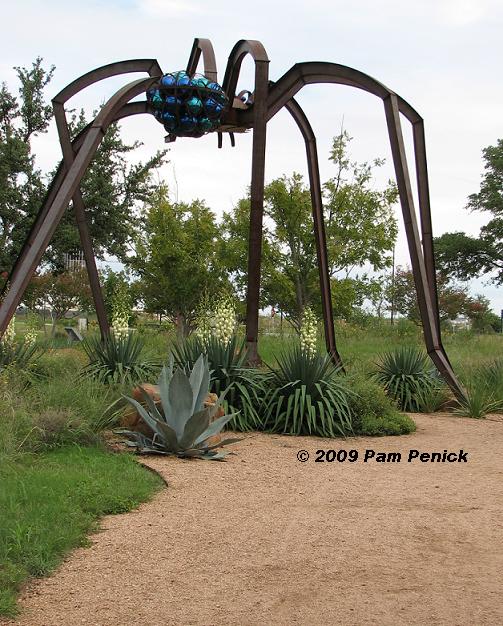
(257, 51)
(421, 258)
(319, 226)
(425, 291)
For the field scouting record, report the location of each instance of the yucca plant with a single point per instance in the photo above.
(19, 354)
(307, 395)
(118, 359)
(182, 425)
(406, 376)
(227, 363)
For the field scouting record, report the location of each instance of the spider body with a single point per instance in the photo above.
(189, 104)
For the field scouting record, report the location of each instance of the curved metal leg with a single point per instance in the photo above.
(424, 293)
(256, 212)
(259, 125)
(319, 226)
(426, 226)
(205, 47)
(80, 215)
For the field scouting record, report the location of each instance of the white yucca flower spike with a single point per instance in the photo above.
(10, 332)
(309, 331)
(30, 337)
(225, 320)
(120, 324)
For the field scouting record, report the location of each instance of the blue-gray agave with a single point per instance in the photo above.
(184, 425)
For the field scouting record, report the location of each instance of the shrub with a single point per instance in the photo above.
(306, 394)
(405, 374)
(118, 360)
(374, 413)
(397, 424)
(228, 372)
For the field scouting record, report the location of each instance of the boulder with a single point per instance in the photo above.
(132, 420)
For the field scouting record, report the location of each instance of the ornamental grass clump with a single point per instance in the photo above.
(406, 376)
(483, 391)
(182, 424)
(307, 395)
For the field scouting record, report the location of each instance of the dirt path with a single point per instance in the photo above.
(265, 539)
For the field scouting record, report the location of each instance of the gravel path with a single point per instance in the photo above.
(265, 539)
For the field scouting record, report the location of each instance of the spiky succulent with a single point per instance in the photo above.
(182, 425)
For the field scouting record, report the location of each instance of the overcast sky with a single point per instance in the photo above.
(443, 56)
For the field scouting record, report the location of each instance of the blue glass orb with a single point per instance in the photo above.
(212, 108)
(220, 98)
(158, 115)
(214, 87)
(182, 78)
(168, 80)
(187, 123)
(199, 81)
(204, 124)
(157, 100)
(169, 120)
(194, 105)
(172, 103)
(210, 105)
(151, 92)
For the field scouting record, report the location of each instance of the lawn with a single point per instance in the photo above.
(49, 503)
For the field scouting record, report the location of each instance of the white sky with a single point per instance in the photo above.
(443, 56)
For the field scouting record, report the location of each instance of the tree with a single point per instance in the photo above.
(113, 191)
(21, 184)
(453, 301)
(459, 256)
(178, 258)
(464, 257)
(61, 292)
(119, 299)
(360, 227)
(111, 188)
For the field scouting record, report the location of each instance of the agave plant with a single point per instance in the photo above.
(118, 359)
(307, 395)
(182, 425)
(228, 371)
(406, 376)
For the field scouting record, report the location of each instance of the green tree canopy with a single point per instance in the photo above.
(112, 188)
(21, 183)
(453, 300)
(360, 227)
(178, 258)
(463, 257)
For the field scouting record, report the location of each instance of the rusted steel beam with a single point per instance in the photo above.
(150, 66)
(423, 291)
(319, 226)
(80, 216)
(259, 55)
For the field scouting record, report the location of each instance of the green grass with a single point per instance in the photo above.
(49, 502)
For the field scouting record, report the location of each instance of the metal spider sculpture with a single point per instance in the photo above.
(190, 104)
